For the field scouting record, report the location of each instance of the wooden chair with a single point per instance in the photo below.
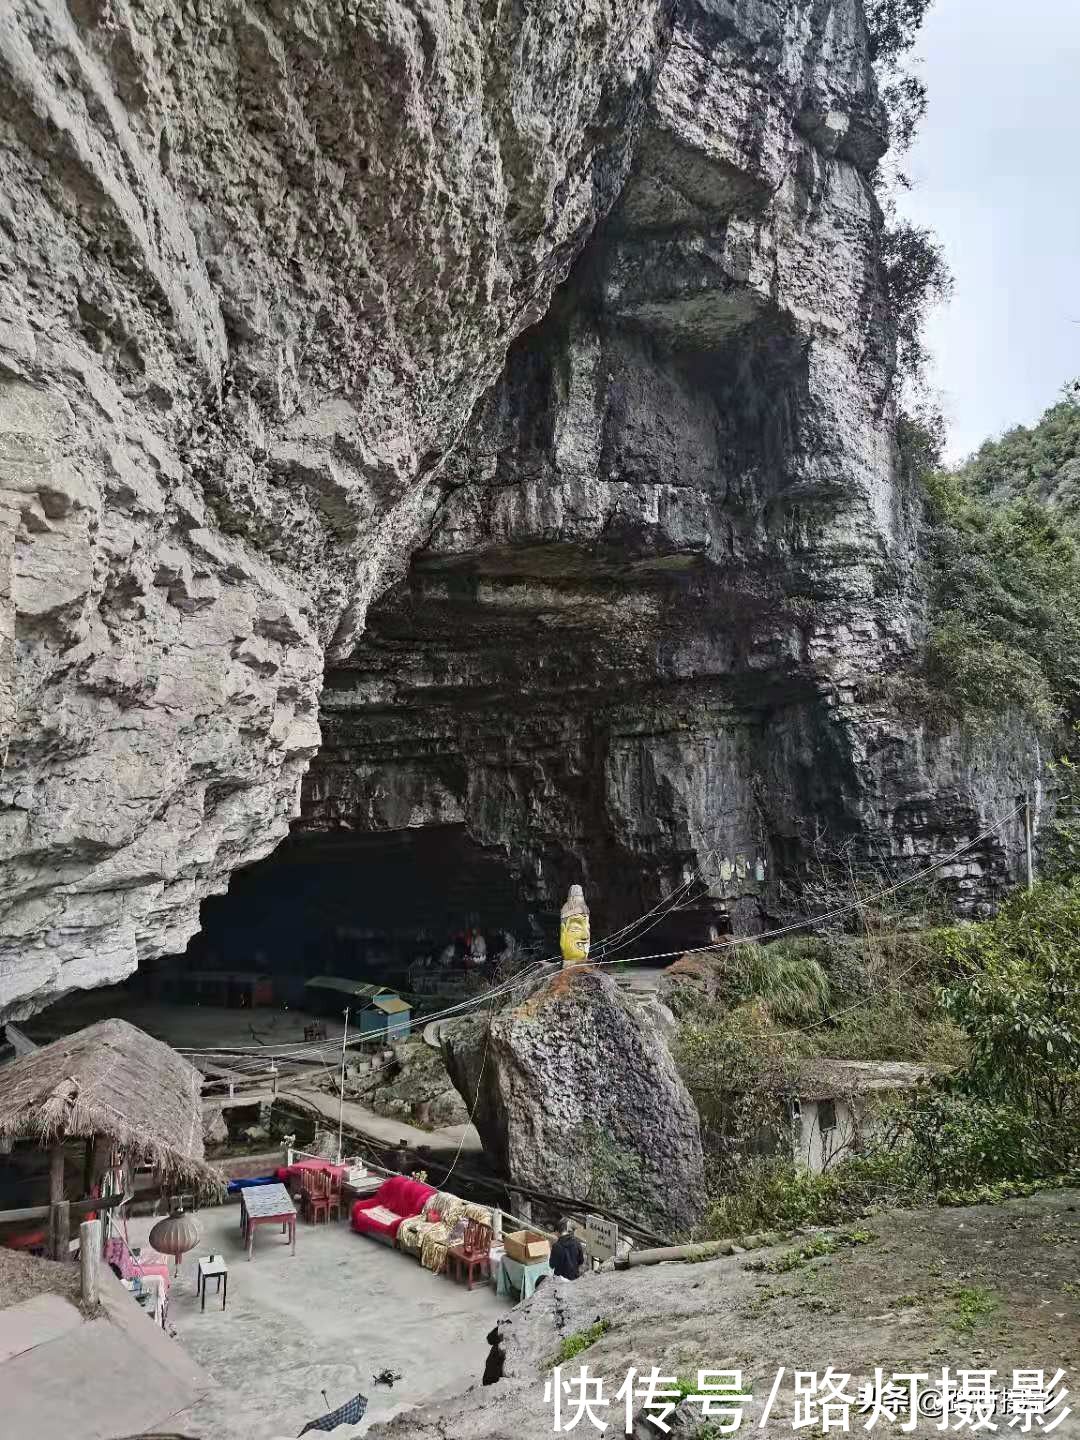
(473, 1254)
(318, 1196)
(334, 1197)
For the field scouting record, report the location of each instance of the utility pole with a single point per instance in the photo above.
(1027, 841)
(1024, 803)
(341, 1096)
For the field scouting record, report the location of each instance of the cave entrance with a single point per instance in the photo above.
(421, 911)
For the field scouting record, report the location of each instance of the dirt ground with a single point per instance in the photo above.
(983, 1287)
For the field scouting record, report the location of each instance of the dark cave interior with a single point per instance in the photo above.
(364, 907)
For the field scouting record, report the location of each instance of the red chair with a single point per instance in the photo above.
(317, 1195)
(334, 1197)
(473, 1254)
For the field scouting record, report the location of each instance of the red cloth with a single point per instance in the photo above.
(400, 1195)
(285, 1173)
(150, 1263)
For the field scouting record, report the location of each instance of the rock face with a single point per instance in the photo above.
(574, 1093)
(656, 622)
(614, 580)
(257, 264)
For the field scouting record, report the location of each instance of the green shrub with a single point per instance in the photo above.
(736, 1068)
(959, 1141)
(812, 1249)
(1005, 592)
(771, 1194)
(1030, 461)
(1016, 992)
(971, 1305)
(790, 983)
(892, 1028)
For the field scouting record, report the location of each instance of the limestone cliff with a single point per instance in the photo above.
(257, 264)
(675, 569)
(519, 378)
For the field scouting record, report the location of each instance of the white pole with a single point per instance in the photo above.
(1027, 842)
(89, 1259)
(341, 1097)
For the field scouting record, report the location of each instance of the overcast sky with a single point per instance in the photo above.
(996, 170)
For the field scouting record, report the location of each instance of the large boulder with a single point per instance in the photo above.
(576, 1094)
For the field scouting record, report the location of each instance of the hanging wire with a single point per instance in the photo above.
(530, 972)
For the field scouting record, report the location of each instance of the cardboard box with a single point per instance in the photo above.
(526, 1246)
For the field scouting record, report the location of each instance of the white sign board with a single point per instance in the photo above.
(601, 1237)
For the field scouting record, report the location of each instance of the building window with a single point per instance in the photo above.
(826, 1115)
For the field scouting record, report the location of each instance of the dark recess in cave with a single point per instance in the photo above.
(361, 906)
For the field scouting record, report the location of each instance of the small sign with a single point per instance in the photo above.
(601, 1237)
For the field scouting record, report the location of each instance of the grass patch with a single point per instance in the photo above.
(817, 1246)
(580, 1340)
(971, 1305)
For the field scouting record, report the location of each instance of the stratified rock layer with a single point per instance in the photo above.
(675, 577)
(576, 1094)
(618, 582)
(257, 263)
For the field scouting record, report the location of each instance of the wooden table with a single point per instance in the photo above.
(266, 1205)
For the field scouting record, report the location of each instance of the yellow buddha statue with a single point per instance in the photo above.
(574, 929)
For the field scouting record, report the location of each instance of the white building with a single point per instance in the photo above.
(834, 1106)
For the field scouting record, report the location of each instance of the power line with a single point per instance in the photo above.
(531, 972)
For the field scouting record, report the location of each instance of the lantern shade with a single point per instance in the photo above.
(175, 1235)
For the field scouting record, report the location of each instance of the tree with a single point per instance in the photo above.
(916, 278)
(893, 27)
(1016, 991)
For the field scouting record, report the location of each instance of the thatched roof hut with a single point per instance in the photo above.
(112, 1080)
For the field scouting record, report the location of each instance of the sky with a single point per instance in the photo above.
(996, 172)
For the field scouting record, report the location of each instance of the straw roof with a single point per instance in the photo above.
(112, 1079)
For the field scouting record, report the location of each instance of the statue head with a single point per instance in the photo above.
(574, 928)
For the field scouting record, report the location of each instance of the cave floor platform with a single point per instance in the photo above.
(333, 1316)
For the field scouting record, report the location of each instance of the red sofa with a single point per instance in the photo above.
(396, 1200)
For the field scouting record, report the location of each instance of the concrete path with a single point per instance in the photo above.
(64, 1374)
(330, 1318)
(384, 1131)
(387, 1131)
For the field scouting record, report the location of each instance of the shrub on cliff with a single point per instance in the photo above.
(1016, 992)
(1038, 462)
(1003, 569)
(1005, 591)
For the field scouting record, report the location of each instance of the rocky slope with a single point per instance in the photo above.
(675, 569)
(575, 1093)
(257, 264)
(893, 1302)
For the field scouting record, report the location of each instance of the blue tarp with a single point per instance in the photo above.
(235, 1185)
